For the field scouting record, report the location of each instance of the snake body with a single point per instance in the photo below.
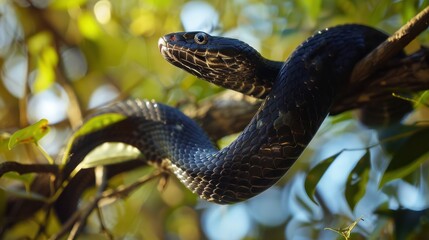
(297, 93)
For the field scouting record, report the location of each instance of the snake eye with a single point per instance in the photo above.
(200, 38)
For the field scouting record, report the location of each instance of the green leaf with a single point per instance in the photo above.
(98, 122)
(38, 42)
(312, 8)
(357, 180)
(30, 134)
(88, 26)
(408, 10)
(45, 77)
(110, 153)
(4, 141)
(165, 4)
(341, 117)
(316, 173)
(41, 48)
(410, 155)
(94, 124)
(66, 4)
(25, 179)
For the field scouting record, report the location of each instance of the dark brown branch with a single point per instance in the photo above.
(407, 75)
(27, 168)
(392, 46)
(225, 114)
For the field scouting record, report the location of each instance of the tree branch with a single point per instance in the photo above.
(20, 168)
(392, 46)
(407, 75)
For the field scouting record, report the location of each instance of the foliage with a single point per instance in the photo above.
(30, 134)
(59, 59)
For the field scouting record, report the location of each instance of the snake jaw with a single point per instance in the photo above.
(162, 45)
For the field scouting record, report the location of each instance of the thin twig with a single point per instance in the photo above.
(103, 227)
(23, 101)
(74, 111)
(79, 218)
(77, 227)
(102, 181)
(124, 191)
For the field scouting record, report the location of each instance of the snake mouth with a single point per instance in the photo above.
(170, 52)
(162, 45)
(166, 51)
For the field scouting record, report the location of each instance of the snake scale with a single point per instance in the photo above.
(297, 93)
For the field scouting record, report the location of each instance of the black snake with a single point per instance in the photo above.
(298, 94)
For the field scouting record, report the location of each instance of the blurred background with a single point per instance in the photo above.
(60, 59)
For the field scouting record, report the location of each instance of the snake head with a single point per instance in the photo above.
(203, 48)
(227, 62)
(204, 55)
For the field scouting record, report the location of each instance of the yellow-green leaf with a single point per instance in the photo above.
(25, 179)
(316, 173)
(49, 56)
(357, 180)
(4, 141)
(312, 8)
(89, 26)
(30, 134)
(38, 42)
(110, 153)
(66, 4)
(45, 76)
(96, 123)
(41, 49)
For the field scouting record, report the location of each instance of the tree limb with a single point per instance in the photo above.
(392, 46)
(20, 168)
